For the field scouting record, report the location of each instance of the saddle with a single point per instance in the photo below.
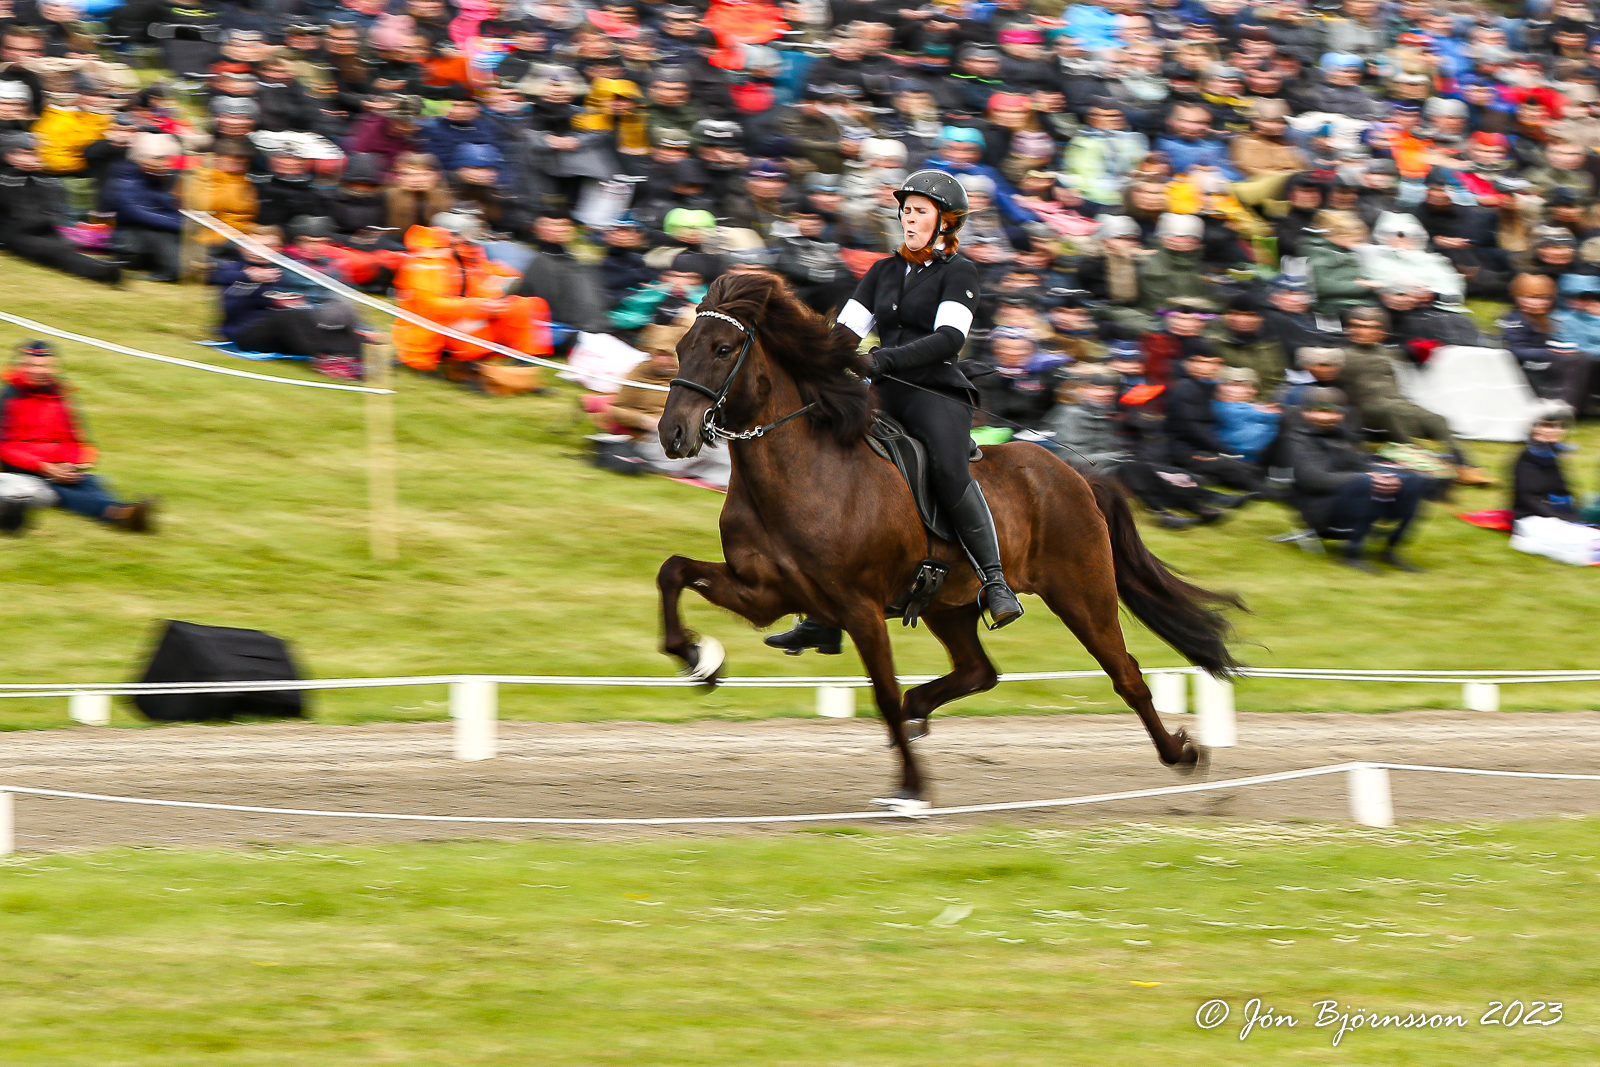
(889, 439)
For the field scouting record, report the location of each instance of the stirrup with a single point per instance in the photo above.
(992, 622)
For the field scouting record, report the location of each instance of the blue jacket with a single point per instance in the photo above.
(141, 200)
(1243, 429)
(1184, 153)
(243, 301)
(444, 138)
(1524, 340)
(1582, 330)
(1094, 26)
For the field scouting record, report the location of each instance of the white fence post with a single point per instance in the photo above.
(473, 704)
(1169, 692)
(836, 701)
(1370, 801)
(90, 709)
(1213, 705)
(8, 824)
(1480, 696)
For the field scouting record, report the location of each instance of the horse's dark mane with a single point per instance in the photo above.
(816, 353)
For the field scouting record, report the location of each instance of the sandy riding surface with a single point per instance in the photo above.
(776, 766)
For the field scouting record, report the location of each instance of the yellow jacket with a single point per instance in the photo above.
(230, 197)
(63, 135)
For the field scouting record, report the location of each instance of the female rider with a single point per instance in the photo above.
(920, 301)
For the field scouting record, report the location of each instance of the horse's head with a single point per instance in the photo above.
(722, 371)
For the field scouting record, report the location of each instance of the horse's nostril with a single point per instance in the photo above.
(677, 438)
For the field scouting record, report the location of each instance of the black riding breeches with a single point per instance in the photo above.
(296, 332)
(53, 250)
(943, 424)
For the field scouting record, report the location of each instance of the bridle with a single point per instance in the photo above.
(709, 427)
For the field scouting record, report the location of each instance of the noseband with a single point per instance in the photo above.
(709, 427)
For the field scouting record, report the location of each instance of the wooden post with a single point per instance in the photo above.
(1480, 696)
(383, 522)
(8, 836)
(90, 709)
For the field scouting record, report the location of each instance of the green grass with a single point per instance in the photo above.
(520, 558)
(1004, 947)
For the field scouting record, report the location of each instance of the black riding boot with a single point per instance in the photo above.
(975, 526)
(807, 634)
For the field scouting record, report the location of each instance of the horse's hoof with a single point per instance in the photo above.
(902, 802)
(704, 662)
(1191, 757)
(915, 729)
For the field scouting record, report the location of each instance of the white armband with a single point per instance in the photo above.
(954, 314)
(860, 321)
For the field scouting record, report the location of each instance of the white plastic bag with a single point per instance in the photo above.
(28, 490)
(1564, 542)
(601, 353)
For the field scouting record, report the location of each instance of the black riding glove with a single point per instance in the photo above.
(871, 366)
(940, 345)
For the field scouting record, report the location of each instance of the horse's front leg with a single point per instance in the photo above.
(755, 599)
(866, 628)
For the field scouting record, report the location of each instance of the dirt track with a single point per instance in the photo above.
(768, 767)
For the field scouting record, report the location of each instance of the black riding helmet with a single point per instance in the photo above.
(36, 347)
(942, 189)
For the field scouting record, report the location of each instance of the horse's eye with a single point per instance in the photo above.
(723, 350)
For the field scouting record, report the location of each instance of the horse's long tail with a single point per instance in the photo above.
(1182, 614)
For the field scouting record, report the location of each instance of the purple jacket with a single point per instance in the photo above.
(373, 134)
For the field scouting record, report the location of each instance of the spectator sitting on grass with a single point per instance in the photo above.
(639, 411)
(1369, 377)
(680, 289)
(40, 435)
(1244, 427)
(1343, 490)
(1538, 485)
(1086, 424)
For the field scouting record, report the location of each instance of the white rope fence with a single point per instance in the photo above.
(474, 698)
(111, 346)
(1371, 803)
(244, 240)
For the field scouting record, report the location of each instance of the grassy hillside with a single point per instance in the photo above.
(518, 557)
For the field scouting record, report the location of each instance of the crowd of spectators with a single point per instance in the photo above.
(1214, 237)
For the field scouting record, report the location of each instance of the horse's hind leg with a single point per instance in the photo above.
(970, 668)
(718, 583)
(1089, 608)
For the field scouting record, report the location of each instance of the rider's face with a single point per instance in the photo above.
(920, 217)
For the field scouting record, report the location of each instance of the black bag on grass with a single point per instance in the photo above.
(189, 652)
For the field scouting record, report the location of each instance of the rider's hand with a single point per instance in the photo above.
(871, 366)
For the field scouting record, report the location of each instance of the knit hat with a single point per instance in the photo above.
(1325, 398)
(682, 218)
(1319, 357)
(1172, 225)
(153, 146)
(962, 134)
(1112, 226)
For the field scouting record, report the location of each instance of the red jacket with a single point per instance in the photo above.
(37, 426)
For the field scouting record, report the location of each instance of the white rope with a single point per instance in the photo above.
(245, 241)
(39, 327)
(18, 690)
(840, 816)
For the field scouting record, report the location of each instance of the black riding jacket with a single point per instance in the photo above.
(922, 317)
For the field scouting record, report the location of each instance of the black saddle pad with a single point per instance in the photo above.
(889, 440)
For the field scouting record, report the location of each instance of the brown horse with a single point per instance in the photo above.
(817, 524)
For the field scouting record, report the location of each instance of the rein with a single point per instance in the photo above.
(709, 427)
